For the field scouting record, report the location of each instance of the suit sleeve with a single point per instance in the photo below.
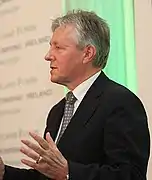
(12, 173)
(126, 145)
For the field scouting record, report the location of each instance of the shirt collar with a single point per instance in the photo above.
(80, 91)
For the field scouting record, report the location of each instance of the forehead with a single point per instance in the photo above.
(64, 32)
(67, 28)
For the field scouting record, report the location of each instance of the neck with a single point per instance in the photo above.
(72, 85)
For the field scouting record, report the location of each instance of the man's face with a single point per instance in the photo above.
(66, 59)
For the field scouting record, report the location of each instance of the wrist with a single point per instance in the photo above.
(64, 173)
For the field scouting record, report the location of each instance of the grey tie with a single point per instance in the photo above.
(68, 112)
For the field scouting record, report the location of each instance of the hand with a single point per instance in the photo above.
(49, 160)
(2, 169)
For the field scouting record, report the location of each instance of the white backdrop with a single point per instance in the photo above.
(143, 31)
(26, 94)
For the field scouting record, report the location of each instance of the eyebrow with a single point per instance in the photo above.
(55, 43)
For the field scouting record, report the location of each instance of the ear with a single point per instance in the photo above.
(89, 53)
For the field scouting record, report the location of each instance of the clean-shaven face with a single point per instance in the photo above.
(66, 59)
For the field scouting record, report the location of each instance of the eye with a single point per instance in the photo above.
(57, 47)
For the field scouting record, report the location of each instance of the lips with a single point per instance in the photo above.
(53, 67)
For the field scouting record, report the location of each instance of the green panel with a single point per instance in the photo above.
(119, 14)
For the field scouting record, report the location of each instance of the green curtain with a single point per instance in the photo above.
(119, 14)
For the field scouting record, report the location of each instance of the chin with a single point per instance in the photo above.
(54, 80)
(57, 81)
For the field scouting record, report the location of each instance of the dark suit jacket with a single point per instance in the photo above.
(107, 138)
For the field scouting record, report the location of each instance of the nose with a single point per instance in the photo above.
(49, 56)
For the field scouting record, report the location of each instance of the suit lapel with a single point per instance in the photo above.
(86, 108)
(56, 118)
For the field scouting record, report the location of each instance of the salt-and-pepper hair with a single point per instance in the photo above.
(91, 30)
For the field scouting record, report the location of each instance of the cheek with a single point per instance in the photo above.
(63, 63)
(68, 62)
(63, 67)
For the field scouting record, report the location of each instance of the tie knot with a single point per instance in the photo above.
(70, 98)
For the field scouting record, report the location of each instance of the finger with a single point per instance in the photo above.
(34, 147)
(1, 163)
(42, 168)
(50, 140)
(30, 153)
(29, 163)
(42, 142)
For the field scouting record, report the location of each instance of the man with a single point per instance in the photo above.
(99, 131)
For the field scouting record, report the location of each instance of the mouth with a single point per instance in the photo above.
(53, 67)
